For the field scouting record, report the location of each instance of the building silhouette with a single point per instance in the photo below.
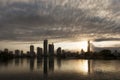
(51, 49)
(11, 52)
(17, 53)
(22, 54)
(59, 51)
(28, 53)
(39, 52)
(88, 49)
(32, 53)
(45, 47)
(82, 51)
(6, 50)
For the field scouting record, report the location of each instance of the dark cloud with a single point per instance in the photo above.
(58, 19)
(107, 39)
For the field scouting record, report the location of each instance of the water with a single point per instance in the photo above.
(59, 69)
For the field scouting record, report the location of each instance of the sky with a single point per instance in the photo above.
(59, 20)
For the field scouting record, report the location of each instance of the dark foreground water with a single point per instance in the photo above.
(57, 69)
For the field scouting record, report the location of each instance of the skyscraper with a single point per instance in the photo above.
(59, 51)
(51, 49)
(45, 47)
(88, 49)
(39, 52)
(32, 53)
(22, 54)
(6, 50)
(17, 53)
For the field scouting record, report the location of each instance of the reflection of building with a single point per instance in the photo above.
(59, 51)
(17, 61)
(88, 49)
(45, 68)
(101, 66)
(39, 63)
(39, 52)
(32, 64)
(45, 47)
(51, 63)
(59, 62)
(45, 65)
(32, 53)
(51, 49)
(90, 66)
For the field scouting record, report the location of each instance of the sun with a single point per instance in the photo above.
(77, 46)
(84, 45)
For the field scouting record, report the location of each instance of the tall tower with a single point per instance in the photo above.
(45, 47)
(6, 50)
(32, 53)
(88, 49)
(39, 52)
(17, 53)
(59, 51)
(51, 49)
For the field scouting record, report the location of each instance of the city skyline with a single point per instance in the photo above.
(29, 22)
(67, 45)
(49, 48)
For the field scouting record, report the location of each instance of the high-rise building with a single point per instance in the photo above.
(51, 49)
(32, 53)
(39, 51)
(17, 53)
(82, 51)
(88, 49)
(22, 54)
(31, 48)
(28, 53)
(59, 51)
(6, 50)
(45, 47)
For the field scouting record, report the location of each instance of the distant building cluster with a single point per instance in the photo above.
(49, 51)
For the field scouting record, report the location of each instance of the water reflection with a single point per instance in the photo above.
(59, 62)
(51, 64)
(49, 67)
(45, 68)
(21, 61)
(39, 63)
(17, 61)
(32, 64)
(83, 66)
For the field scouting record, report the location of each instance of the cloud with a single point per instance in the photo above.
(58, 19)
(107, 39)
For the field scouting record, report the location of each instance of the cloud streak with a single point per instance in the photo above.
(59, 19)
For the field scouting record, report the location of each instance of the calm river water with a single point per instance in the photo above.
(60, 69)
